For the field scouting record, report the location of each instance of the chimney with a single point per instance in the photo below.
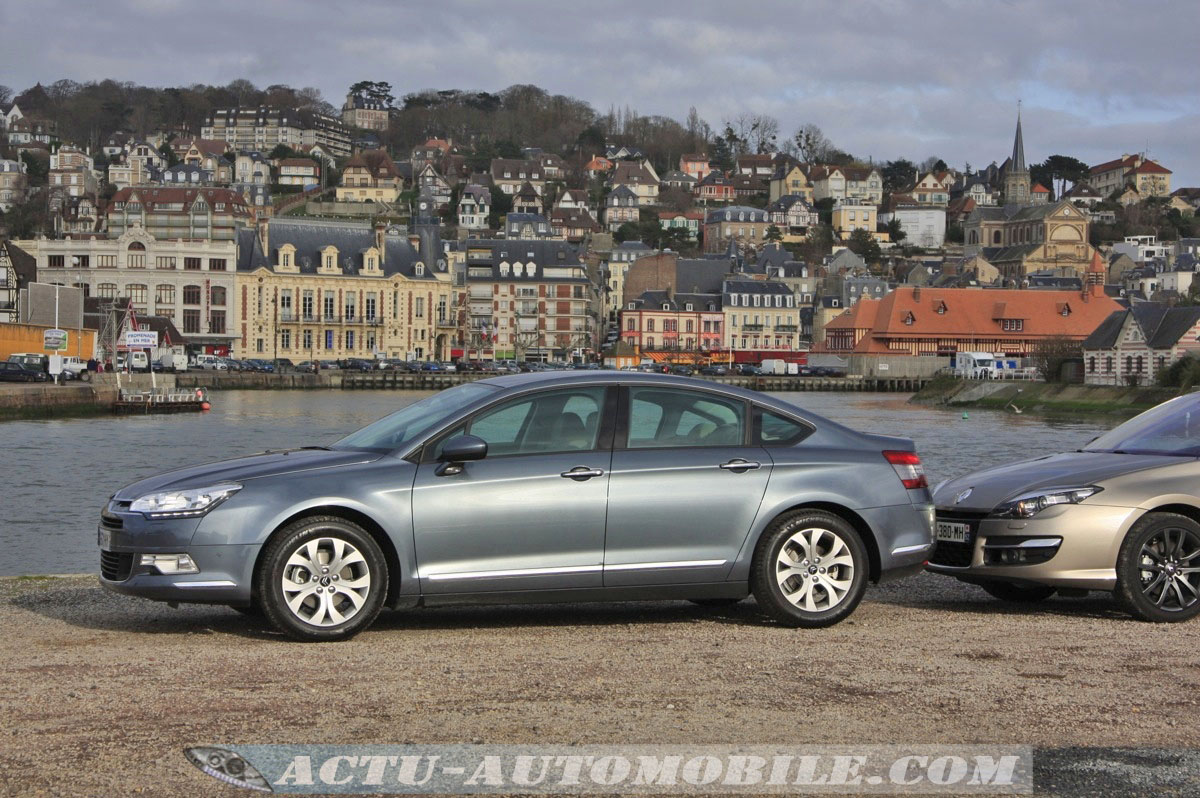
(263, 236)
(916, 293)
(381, 241)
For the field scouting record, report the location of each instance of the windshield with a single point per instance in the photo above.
(1171, 428)
(407, 424)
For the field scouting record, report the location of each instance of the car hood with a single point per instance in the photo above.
(993, 486)
(255, 466)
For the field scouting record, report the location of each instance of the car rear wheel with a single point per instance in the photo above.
(1158, 569)
(809, 569)
(1018, 594)
(322, 579)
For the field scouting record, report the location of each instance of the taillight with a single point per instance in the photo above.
(908, 467)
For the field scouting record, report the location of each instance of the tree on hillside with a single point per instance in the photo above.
(502, 204)
(774, 233)
(863, 244)
(897, 174)
(6, 95)
(896, 231)
(378, 90)
(811, 144)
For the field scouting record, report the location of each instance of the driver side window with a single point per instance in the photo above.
(542, 423)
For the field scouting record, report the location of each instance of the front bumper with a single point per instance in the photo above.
(1072, 546)
(225, 571)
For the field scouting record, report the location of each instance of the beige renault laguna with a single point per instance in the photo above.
(1120, 515)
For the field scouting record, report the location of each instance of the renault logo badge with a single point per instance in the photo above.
(960, 498)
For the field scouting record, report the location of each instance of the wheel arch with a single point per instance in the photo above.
(1169, 506)
(369, 524)
(846, 514)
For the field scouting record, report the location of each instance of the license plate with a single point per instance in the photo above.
(953, 532)
(103, 538)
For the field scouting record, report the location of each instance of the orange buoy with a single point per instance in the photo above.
(205, 406)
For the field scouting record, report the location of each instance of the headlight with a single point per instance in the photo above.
(183, 503)
(1030, 504)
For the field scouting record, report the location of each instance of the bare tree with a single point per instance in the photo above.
(811, 144)
(6, 95)
(1051, 354)
(764, 133)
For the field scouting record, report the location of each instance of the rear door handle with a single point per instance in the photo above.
(582, 473)
(739, 465)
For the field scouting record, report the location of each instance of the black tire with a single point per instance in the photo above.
(825, 611)
(1154, 553)
(715, 602)
(318, 604)
(1018, 594)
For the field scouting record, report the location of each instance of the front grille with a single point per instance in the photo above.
(110, 521)
(115, 566)
(957, 555)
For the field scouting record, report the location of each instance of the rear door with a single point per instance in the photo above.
(686, 486)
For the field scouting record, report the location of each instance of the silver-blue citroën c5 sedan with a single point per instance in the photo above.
(578, 486)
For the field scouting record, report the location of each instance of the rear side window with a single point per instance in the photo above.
(773, 429)
(665, 417)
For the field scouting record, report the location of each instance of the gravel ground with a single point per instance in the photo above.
(101, 693)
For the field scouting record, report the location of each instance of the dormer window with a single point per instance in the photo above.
(733, 300)
(909, 319)
(419, 270)
(941, 308)
(666, 306)
(688, 306)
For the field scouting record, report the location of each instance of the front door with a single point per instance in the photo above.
(685, 487)
(530, 515)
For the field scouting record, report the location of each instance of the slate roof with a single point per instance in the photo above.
(1162, 326)
(654, 300)
(309, 238)
(545, 253)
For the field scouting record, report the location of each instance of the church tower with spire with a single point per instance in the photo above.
(1016, 175)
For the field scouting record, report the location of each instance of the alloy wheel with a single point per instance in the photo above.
(326, 581)
(815, 569)
(1170, 576)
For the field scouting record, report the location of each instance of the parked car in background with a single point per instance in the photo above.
(283, 364)
(210, 363)
(431, 365)
(15, 371)
(714, 371)
(682, 370)
(559, 486)
(749, 370)
(308, 365)
(1121, 514)
(329, 365)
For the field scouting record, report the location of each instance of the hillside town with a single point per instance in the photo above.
(293, 234)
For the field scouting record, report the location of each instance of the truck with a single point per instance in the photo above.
(975, 365)
(775, 366)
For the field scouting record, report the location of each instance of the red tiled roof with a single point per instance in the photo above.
(1150, 167)
(1108, 166)
(1038, 188)
(151, 196)
(972, 313)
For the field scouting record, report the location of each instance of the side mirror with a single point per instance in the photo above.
(457, 451)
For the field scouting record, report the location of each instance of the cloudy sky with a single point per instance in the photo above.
(882, 78)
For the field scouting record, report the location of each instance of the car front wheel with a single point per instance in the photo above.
(810, 569)
(322, 579)
(1158, 569)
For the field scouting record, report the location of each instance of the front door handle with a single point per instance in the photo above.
(738, 465)
(582, 473)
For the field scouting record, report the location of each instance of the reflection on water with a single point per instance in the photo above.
(57, 474)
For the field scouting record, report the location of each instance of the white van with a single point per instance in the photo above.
(210, 362)
(975, 365)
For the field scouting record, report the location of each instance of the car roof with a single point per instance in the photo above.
(549, 379)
